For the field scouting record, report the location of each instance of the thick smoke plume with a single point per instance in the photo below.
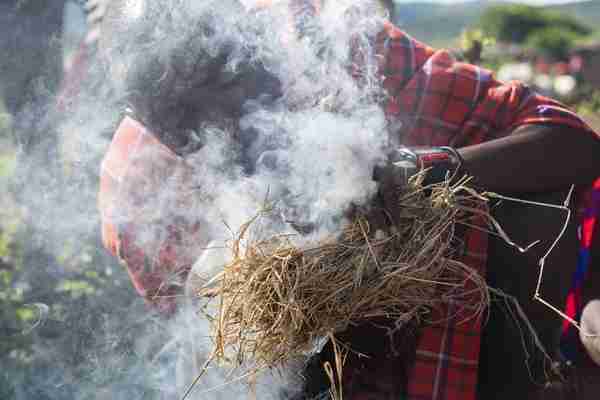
(269, 106)
(257, 111)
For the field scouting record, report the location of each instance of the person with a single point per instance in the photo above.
(77, 68)
(510, 139)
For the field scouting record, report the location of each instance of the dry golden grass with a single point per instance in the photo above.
(275, 300)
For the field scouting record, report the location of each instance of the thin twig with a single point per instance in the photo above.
(542, 261)
(202, 372)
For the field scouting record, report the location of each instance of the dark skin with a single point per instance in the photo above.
(514, 166)
(536, 163)
(516, 274)
(533, 159)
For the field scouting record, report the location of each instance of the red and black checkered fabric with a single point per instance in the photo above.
(437, 101)
(139, 179)
(433, 101)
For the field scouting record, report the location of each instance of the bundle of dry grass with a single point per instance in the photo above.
(276, 300)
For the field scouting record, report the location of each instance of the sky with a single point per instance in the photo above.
(532, 2)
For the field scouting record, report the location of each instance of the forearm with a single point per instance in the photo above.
(534, 158)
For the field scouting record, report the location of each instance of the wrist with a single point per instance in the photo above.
(441, 163)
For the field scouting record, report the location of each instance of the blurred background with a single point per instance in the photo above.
(70, 322)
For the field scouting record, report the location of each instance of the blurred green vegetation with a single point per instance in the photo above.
(61, 298)
(547, 32)
(515, 23)
(553, 42)
(472, 44)
(441, 24)
(92, 308)
(62, 310)
(588, 106)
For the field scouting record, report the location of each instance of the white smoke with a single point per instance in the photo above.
(314, 149)
(309, 152)
(313, 152)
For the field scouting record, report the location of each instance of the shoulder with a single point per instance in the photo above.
(401, 55)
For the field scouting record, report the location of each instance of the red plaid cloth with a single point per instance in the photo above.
(434, 101)
(437, 101)
(142, 185)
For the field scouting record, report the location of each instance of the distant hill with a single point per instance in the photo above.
(440, 24)
(588, 12)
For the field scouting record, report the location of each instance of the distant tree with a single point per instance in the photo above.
(514, 23)
(472, 43)
(553, 42)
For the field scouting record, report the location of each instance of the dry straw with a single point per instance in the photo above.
(276, 300)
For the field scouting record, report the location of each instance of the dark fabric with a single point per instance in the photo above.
(434, 101)
(437, 101)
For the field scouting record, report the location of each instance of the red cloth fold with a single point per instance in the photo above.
(434, 101)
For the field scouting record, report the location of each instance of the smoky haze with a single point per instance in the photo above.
(303, 136)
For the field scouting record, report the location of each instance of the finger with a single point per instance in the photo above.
(393, 180)
(377, 220)
(590, 333)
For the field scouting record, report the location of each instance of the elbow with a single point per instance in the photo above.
(576, 153)
(587, 152)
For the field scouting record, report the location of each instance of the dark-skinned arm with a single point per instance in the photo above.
(534, 158)
(539, 163)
